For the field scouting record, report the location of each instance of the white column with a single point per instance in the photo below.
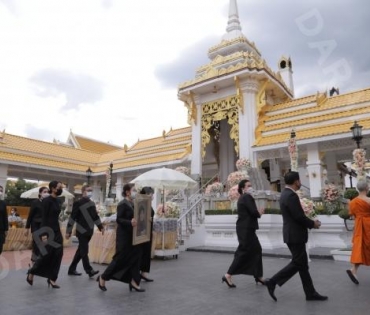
(332, 169)
(119, 187)
(227, 151)
(3, 175)
(314, 169)
(248, 120)
(196, 141)
(96, 190)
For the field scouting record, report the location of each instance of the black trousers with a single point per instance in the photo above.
(82, 253)
(299, 264)
(2, 241)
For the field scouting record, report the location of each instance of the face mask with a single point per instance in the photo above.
(59, 191)
(133, 195)
(89, 194)
(250, 191)
(45, 195)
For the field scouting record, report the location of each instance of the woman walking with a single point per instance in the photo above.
(48, 263)
(125, 266)
(34, 220)
(359, 207)
(248, 256)
(147, 247)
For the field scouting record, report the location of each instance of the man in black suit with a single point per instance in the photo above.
(3, 220)
(295, 225)
(85, 215)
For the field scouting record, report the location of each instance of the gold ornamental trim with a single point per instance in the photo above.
(226, 108)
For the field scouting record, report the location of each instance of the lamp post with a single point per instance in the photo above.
(88, 175)
(350, 175)
(357, 133)
(110, 183)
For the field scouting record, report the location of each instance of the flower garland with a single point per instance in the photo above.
(243, 164)
(235, 178)
(330, 196)
(109, 180)
(359, 157)
(170, 210)
(293, 153)
(308, 207)
(233, 196)
(215, 188)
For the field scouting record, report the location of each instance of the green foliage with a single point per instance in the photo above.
(229, 211)
(13, 191)
(344, 214)
(350, 193)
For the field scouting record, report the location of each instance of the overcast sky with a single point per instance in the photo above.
(109, 69)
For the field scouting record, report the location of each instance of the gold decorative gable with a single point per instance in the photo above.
(226, 108)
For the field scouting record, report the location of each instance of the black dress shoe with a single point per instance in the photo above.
(146, 279)
(74, 273)
(92, 273)
(271, 288)
(316, 297)
(352, 277)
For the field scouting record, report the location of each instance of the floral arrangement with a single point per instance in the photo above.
(243, 164)
(293, 153)
(109, 180)
(359, 157)
(235, 177)
(308, 207)
(215, 188)
(330, 196)
(183, 169)
(170, 210)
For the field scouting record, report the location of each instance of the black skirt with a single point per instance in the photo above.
(248, 256)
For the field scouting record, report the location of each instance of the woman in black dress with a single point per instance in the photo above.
(48, 263)
(125, 264)
(34, 220)
(248, 256)
(147, 247)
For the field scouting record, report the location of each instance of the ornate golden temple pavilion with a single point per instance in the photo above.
(237, 107)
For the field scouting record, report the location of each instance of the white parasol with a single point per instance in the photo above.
(34, 194)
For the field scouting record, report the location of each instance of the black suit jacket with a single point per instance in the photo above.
(247, 212)
(3, 217)
(50, 213)
(125, 213)
(295, 222)
(85, 215)
(35, 214)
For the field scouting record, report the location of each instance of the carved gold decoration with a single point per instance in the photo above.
(192, 109)
(320, 98)
(226, 108)
(239, 94)
(261, 108)
(227, 43)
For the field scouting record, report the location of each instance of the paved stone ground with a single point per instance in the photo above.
(189, 285)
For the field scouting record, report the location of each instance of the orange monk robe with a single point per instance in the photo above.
(360, 209)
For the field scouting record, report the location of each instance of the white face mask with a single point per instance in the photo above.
(89, 194)
(250, 191)
(45, 195)
(133, 194)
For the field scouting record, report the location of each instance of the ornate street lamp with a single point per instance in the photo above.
(88, 175)
(357, 133)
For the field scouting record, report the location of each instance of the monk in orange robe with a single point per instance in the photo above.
(360, 209)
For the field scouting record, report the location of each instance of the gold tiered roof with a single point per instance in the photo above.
(313, 116)
(172, 146)
(94, 145)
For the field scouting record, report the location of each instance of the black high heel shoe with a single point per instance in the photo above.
(54, 286)
(29, 281)
(101, 287)
(230, 285)
(146, 279)
(135, 288)
(258, 280)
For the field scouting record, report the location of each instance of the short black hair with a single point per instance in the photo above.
(147, 190)
(53, 184)
(126, 189)
(291, 177)
(241, 185)
(84, 187)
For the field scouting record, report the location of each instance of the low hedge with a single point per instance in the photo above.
(229, 211)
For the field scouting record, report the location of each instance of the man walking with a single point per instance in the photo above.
(3, 220)
(295, 225)
(85, 215)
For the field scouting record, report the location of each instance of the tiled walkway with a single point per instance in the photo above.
(189, 285)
